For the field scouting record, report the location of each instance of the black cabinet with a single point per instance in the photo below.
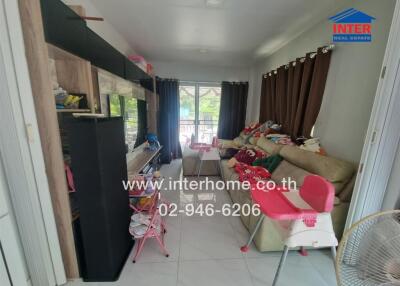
(134, 73)
(104, 55)
(64, 28)
(98, 158)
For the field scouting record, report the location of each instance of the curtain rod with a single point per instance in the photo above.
(325, 49)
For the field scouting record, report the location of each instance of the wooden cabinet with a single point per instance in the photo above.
(64, 28)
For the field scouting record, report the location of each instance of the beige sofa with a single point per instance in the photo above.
(297, 164)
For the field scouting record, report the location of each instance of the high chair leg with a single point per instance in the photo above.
(162, 246)
(245, 248)
(281, 263)
(333, 251)
(139, 248)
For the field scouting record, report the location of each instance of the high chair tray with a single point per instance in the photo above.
(282, 205)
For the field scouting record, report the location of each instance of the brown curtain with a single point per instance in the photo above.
(292, 95)
(321, 67)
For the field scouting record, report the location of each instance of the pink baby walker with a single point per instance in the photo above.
(302, 217)
(146, 221)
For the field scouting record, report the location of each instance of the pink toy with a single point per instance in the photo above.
(302, 217)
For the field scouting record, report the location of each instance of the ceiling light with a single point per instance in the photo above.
(214, 3)
(203, 51)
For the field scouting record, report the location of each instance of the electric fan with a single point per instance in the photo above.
(369, 253)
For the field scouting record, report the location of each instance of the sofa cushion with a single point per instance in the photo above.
(239, 141)
(336, 171)
(347, 192)
(228, 173)
(268, 146)
(253, 140)
(224, 144)
(287, 170)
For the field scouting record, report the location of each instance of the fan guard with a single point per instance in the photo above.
(369, 253)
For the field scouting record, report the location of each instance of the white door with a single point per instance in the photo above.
(4, 276)
(12, 264)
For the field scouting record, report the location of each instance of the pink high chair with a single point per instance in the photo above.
(302, 217)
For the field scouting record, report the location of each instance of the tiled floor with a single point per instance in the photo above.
(205, 251)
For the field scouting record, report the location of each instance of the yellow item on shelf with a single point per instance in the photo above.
(72, 99)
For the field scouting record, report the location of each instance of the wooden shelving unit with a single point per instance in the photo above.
(72, 73)
(57, 24)
(73, 110)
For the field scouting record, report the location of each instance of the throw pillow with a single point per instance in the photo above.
(248, 156)
(270, 163)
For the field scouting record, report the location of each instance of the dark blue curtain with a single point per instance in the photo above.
(168, 91)
(232, 112)
(142, 122)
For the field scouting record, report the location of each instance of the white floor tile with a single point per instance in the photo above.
(147, 274)
(322, 261)
(242, 235)
(214, 273)
(297, 271)
(208, 238)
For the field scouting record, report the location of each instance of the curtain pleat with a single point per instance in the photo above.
(320, 74)
(232, 114)
(272, 97)
(303, 96)
(297, 77)
(264, 108)
(280, 96)
(289, 98)
(168, 91)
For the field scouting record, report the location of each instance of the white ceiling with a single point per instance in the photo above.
(231, 35)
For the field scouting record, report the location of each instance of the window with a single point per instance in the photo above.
(199, 111)
(126, 106)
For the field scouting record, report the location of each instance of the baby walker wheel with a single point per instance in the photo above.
(244, 248)
(166, 255)
(134, 261)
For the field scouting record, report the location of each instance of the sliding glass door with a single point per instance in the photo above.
(199, 111)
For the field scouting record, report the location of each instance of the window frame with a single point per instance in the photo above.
(197, 85)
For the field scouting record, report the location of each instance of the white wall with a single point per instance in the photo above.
(103, 28)
(196, 72)
(351, 84)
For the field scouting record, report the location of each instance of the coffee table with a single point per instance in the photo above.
(211, 154)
